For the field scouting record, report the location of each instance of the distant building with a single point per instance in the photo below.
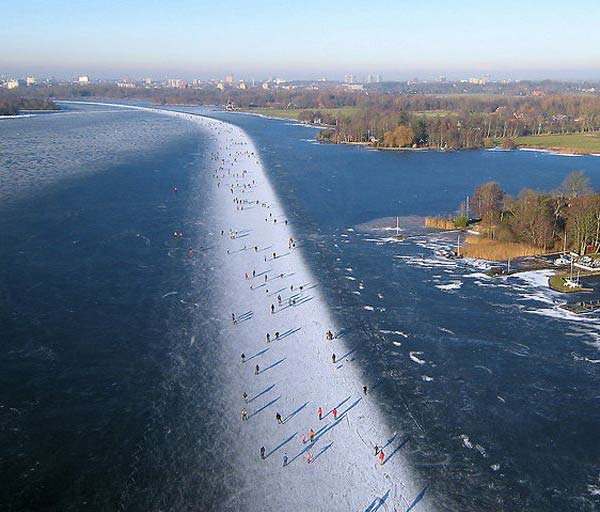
(242, 86)
(229, 79)
(478, 81)
(30, 80)
(265, 86)
(220, 86)
(12, 84)
(373, 79)
(83, 80)
(349, 79)
(176, 83)
(148, 81)
(126, 85)
(353, 87)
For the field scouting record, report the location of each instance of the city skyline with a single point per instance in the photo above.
(267, 39)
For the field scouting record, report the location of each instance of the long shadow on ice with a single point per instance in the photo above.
(259, 353)
(264, 407)
(280, 445)
(377, 503)
(289, 332)
(417, 499)
(338, 406)
(396, 450)
(323, 450)
(291, 415)
(272, 365)
(261, 393)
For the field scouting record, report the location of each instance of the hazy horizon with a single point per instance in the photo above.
(540, 40)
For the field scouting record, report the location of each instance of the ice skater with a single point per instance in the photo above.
(262, 452)
(334, 413)
(311, 434)
(381, 457)
(279, 418)
(268, 338)
(285, 460)
(233, 319)
(244, 414)
(320, 413)
(365, 389)
(333, 358)
(245, 396)
(243, 356)
(256, 370)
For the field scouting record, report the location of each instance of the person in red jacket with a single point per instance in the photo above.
(381, 457)
(334, 413)
(320, 412)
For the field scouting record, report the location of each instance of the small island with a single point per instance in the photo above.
(12, 105)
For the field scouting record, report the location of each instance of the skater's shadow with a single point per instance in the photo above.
(291, 415)
(261, 393)
(276, 363)
(417, 499)
(258, 353)
(396, 450)
(295, 304)
(289, 332)
(280, 445)
(348, 354)
(323, 450)
(354, 404)
(277, 291)
(377, 503)
(245, 317)
(338, 405)
(264, 407)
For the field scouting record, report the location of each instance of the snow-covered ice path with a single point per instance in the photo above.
(296, 373)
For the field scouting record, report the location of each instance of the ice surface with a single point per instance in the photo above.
(296, 374)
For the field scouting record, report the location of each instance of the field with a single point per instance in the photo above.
(584, 142)
(294, 113)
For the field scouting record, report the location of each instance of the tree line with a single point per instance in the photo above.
(451, 121)
(568, 216)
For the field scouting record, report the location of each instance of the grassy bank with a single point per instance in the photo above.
(294, 113)
(578, 143)
(483, 248)
(572, 142)
(557, 283)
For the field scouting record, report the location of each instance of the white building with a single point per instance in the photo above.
(12, 84)
(83, 80)
(30, 80)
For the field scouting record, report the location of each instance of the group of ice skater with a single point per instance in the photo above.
(240, 185)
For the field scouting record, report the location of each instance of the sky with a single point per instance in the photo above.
(301, 40)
